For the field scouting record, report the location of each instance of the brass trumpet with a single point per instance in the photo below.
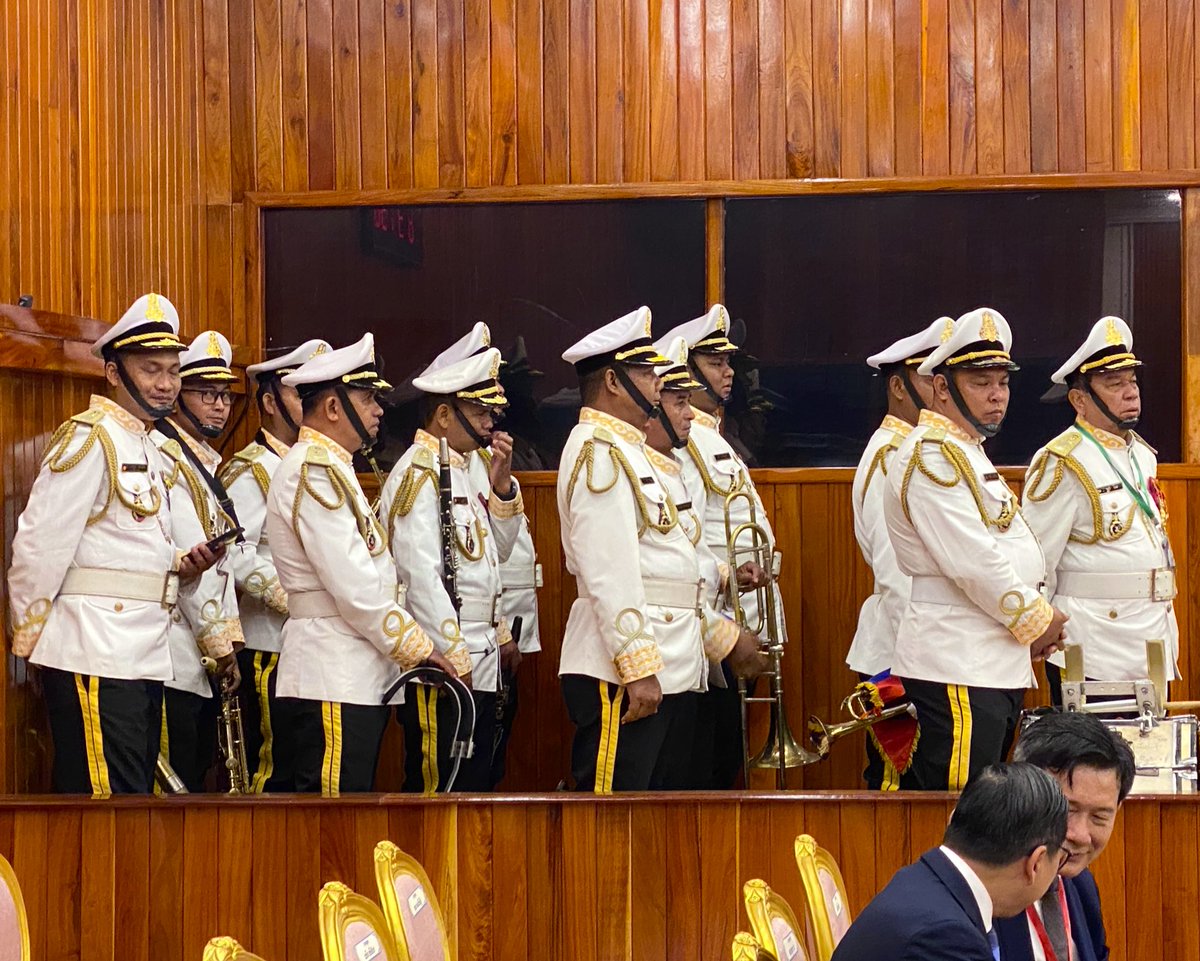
(823, 735)
(745, 542)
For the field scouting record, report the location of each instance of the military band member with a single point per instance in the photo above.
(666, 440)
(712, 465)
(347, 637)
(463, 618)
(633, 641)
(908, 393)
(262, 600)
(975, 615)
(1092, 499)
(96, 569)
(205, 623)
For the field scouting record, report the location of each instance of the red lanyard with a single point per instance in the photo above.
(1040, 929)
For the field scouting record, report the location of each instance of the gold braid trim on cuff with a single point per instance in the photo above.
(412, 645)
(268, 590)
(636, 663)
(720, 635)
(1027, 622)
(28, 629)
(219, 636)
(504, 509)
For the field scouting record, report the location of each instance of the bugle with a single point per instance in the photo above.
(231, 741)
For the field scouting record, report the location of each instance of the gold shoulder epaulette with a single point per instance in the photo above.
(935, 435)
(1064, 443)
(251, 452)
(316, 454)
(604, 435)
(172, 449)
(91, 417)
(423, 457)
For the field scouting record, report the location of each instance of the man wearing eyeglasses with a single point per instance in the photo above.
(1095, 768)
(459, 609)
(206, 622)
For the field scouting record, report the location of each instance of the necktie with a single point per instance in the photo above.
(994, 944)
(1052, 919)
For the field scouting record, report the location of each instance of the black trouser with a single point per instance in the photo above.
(428, 716)
(336, 745)
(105, 732)
(717, 754)
(269, 754)
(880, 773)
(607, 756)
(503, 732)
(963, 729)
(189, 735)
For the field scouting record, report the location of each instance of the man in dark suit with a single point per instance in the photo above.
(1001, 850)
(1095, 768)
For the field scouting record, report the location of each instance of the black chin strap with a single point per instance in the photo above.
(155, 412)
(466, 425)
(631, 389)
(705, 382)
(355, 421)
(906, 379)
(987, 430)
(208, 430)
(213, 483)
(281, 407)
(676, 442)
(1123, 424)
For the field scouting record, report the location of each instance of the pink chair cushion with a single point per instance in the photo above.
(422, 929)
(361, 942)
(10, 927)
(835, 907)
(787, 943)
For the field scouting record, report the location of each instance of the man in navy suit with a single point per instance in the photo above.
(1095, 768)
(1000, 852)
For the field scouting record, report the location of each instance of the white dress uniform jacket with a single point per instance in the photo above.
(348, 638)
(712, 465)
(976, 567)
(485, 528)
(879, 619)
(99, 503)
(247, 477)
(205, 622)
(520, 575)
(1110, 566)
(640, 592)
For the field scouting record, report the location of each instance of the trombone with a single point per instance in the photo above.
(745, 542)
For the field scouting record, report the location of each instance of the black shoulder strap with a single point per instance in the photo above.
(211, 481)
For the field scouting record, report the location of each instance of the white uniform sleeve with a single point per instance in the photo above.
(254, 573)
(1052, 510)
(893, 583)
(506, 518)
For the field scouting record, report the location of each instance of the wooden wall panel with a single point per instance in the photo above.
(561, 879)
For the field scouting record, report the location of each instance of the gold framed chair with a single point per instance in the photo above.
(352, 927)
(746, 948)
(227, 949)
(773, 922)
(410, 906)
(826, 907)
(14, 922)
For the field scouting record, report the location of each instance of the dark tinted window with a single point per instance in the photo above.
(419, 277)
(823, 282)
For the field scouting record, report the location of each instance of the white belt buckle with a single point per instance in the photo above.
(401, 594)
(537, 575)
(170, 593)
(1162, 584)
(700, 598)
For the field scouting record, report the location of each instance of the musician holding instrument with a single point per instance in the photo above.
(262, 600)
(666, 437)
(908, 393)
(714, 467)
(348, 635)
(975, 616)
(449, 530)
(1092, 498)
(205, 623)
(96, 569)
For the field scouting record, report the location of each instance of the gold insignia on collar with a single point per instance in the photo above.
(1112, 336)
(987, 328)
(947, 330)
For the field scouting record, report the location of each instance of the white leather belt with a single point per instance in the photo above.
(480, 610)
(668, 592)
(132, 585)
(935, 589)
(322, 604)
(521, 578)
(1155, 585)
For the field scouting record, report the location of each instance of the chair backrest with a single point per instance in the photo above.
(746, 948)
(825, 904)
(773, 922)
(227, 949)
(14, 922)
(410, 905)
(352, 927)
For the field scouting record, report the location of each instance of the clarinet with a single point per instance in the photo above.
(446, 506)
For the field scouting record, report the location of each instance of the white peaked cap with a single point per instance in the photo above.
(287, 363)
(912, 349)
(352, 366)
(978, 339)
(1109, 346)
(472, 379)
(150, 323)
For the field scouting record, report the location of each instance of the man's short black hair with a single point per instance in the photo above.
(310, 401)
(1005, 813)
(429, 405)
(1063, 741)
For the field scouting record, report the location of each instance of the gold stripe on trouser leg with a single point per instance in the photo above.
(427, 716)
(266, 757)
(610, 727)
(93, 736)
(891, 777)
(960, 750)
(331, 766)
